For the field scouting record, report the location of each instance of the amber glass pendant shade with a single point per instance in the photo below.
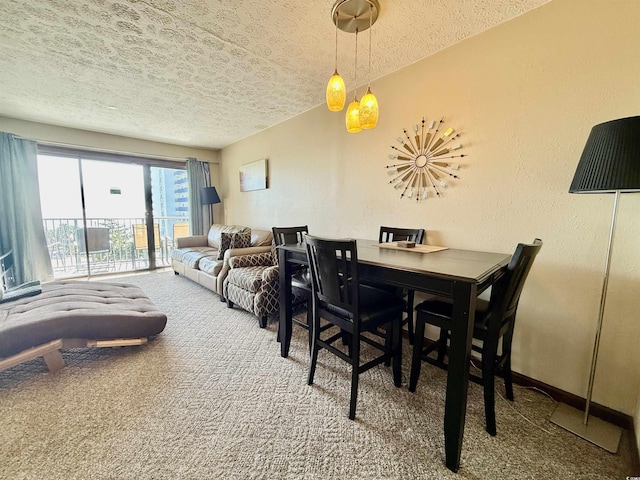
(336, 93)
(368, 110)
(352, 118)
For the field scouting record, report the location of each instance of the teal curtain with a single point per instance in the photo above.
(21, 228)
(198, 177)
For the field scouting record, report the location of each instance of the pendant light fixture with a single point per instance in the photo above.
(369, 102)
(354, 16)
(352, 118)
(336, 92)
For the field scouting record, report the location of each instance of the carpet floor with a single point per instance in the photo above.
(210, 397)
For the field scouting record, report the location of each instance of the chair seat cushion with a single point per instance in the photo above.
(73, 309)
(247, 278)
(376, 307)
(440, 311)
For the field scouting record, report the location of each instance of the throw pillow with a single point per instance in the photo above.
(241, 240)
(225, 244)
(233, 240)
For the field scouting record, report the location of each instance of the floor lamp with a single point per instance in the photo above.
(610, 163)
(209, 196)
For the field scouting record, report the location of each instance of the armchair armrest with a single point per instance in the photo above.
(264, 259)
(191, 241)
(237, 252)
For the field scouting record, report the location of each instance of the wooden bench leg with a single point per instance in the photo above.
(54, 360)
(50, 351)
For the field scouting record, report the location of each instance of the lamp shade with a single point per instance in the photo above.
(209, 196)
(611, 158)
(352, 119)
(368, 110)
(336, 93)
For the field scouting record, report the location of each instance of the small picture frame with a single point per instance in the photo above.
(253, 176)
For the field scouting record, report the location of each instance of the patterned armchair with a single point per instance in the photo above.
(252, 283)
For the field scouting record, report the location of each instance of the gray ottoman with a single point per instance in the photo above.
(69, 314)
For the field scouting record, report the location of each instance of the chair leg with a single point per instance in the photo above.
(416, 359)
(355, 374)
(410, 297)
(506, 368)
(488, 381)
(396, 348)
(310, 325)
(315, 334)
(442, 344)
(388, 341)
(229, 304)
(508, 383)
(262, 321)
(347, 340)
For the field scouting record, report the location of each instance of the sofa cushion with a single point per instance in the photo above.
(191, 256)
(213, 238)
(179, 253)
(210, 265)
(233, 240)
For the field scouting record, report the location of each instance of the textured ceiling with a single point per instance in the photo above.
(206, 73)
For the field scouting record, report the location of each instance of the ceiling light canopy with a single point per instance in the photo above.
(354, 16)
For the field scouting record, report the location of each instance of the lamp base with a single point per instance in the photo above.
(603, 434)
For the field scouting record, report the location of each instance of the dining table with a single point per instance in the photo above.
(448, 272)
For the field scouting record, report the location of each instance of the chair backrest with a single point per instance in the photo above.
(392, 234)
(289, 235)
(506, 294)
(140, 236)
(180, 230)
(334, 272)
(7, 275)
(97, 239)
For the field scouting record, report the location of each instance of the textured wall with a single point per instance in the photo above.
(526, 95)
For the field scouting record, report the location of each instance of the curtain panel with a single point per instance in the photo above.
(21, 227)
(198, 177)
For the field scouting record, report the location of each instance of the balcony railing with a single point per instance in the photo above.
(117, 249)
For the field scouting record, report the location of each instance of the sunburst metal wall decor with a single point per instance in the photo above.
(423, 161)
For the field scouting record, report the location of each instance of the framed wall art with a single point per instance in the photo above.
(253, 176)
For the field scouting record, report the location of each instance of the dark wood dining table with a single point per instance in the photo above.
(459, 274)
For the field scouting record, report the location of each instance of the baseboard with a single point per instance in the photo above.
(605, 413)
(600, 411)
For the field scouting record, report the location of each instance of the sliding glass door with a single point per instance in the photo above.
(110, 216)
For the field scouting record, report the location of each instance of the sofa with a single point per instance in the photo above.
(205, 258)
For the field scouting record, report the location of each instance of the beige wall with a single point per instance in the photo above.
(526, 95)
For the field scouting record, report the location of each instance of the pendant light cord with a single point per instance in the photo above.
(336, 41)
(355, 70)
(370, 23)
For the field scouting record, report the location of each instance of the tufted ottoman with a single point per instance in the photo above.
(71, 314)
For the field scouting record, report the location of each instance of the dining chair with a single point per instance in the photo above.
(494, 320)
(393, 234)
(342, 301)
(140, 241)
(97, 241)
(300, 279)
